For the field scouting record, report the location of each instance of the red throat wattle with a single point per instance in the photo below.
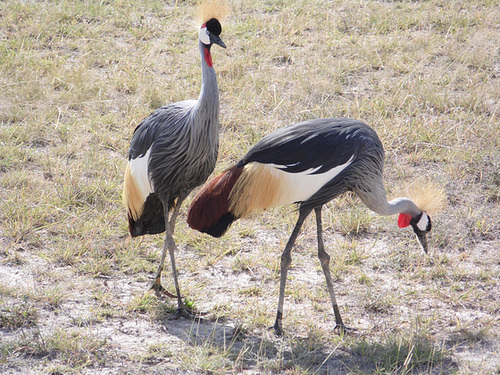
(208, 57)
(404, 220)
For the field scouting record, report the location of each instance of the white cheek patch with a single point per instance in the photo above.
(422, 223)
(204, 37)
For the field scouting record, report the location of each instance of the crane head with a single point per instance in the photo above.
(210, 33)
(421, 225)
(429, 198)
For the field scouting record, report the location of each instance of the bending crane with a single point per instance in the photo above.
(308, 163)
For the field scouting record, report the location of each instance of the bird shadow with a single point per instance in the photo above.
(260, 350)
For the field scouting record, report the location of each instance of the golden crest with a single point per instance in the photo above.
(209, 9)
(428, 196)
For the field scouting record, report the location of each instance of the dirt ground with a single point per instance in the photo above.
(141, 342)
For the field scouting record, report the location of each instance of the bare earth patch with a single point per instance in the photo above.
(131, 332)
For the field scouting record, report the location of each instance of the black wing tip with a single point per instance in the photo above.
(139, 228)
(220, 228)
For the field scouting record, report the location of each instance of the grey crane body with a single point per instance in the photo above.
(309, 163)
(173, 151)
(183, 139)
(322, 145)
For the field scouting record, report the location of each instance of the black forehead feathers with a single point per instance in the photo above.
(416, 219)
(213, 25)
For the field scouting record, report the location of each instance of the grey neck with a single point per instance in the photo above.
(209, 94)
(402, 205)
(376, 200)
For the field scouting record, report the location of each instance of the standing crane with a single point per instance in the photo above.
(173, 151)
(308, 163)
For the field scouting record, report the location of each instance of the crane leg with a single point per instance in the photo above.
(175, 213)
(170, 246)
(324, 259)
(286, 260)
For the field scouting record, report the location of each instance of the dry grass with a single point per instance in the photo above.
(77, 77)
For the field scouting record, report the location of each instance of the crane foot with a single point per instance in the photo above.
(185, 312)
(341, 329)
(278, 330)
(182, 311)
(160, 291)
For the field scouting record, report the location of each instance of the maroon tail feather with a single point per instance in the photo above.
(209, 211)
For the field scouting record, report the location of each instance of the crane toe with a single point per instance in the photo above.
(160, 291)
(186, 312)
(278, 330)
(342, 329)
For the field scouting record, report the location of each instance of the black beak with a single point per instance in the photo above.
(422, 240)
(217, 40)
